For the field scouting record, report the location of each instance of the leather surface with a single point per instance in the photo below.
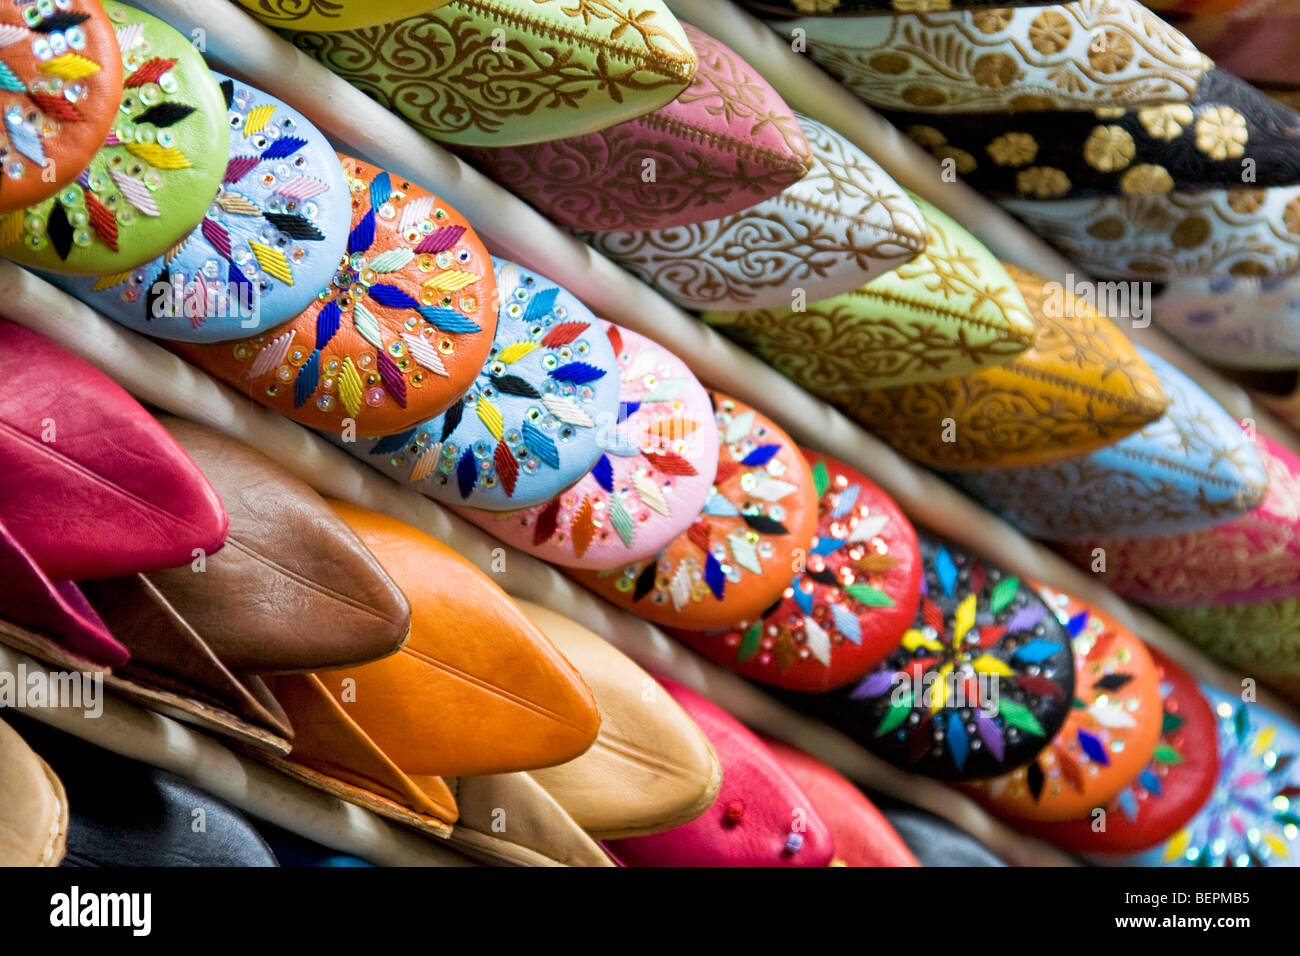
(1261, 637)
(1081, 386)
(726, 142)
(400, 332)
(270, 241)
(842, 225)
(736, 558)
(1199, 144)
(1109, 736)
(333, 752)
(760, 817)
(129, 814)
(651, 768)
(648, 484)
(91, 485)
(542, 68)
(1070, 56)
(155, 174)
(494, 693)
(531, 423)
(168, 655)
(56, 609)
(1239, 824)
(1154, 235)
(1241, 323)
(949, 311)
(337, 15)
(509, 819)
(33, 806)
(935, 841)
(65, 63)
(931, 707)
(863, 837)
(1190, 568)
(1169, 790)
(1261, 48)
(838, 618)
(295, 589)
(849, 8)
(1189, 469)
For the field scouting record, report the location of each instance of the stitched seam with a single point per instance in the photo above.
(75, 466)
(651, 59)
(782, 161)
(629, 751)
(1120, 401)
(961, 318)
(490, 688)
(308, 583)
(835, 214)
(1183, 469)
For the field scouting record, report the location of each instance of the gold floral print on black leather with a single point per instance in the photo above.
(1209, 142)
(1071, 56)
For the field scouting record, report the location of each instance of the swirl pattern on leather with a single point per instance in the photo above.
(1070, 56)
(1253, 558)
(335, 14)
(1243, 323)
(726, 143)
(1082, 385)
(840, 226)
(1190, 468)
(951, 310)
(502, 72)
(1240, 232)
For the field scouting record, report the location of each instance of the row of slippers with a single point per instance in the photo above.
(1032, 703)
(1051, 402)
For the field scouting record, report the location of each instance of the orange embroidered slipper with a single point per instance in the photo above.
(739, 554)
(1109, 736)
(400, 333)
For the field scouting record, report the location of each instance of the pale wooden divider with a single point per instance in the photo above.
(238, 45)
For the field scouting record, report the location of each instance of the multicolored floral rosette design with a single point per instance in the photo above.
(847, 609)
(60, 84)
(652, 477)
(736, 558)
(1165, 794)
(154, 173)
(531, 422)
(269, 242)
(1110, 734)
(980, 684)
(396, 336)
(1252, 816)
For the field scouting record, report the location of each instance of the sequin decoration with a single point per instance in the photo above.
(1164, 796)
(850, 606)
(269, 241)
(737, 556)
(60, 79)
(155, 171)
(1252, 817)
(1109, 735)
(529, 425)
(652, 477)
(398, 334)
(980, 684)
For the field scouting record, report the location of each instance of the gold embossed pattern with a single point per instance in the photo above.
(1082, 386)
(951, 310)
(837, 228)
(1071, 56)
(1239, 232)
(499, 72)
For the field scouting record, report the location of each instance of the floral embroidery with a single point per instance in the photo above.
(1013, 149)
(1221, 133)
(1108, 148)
